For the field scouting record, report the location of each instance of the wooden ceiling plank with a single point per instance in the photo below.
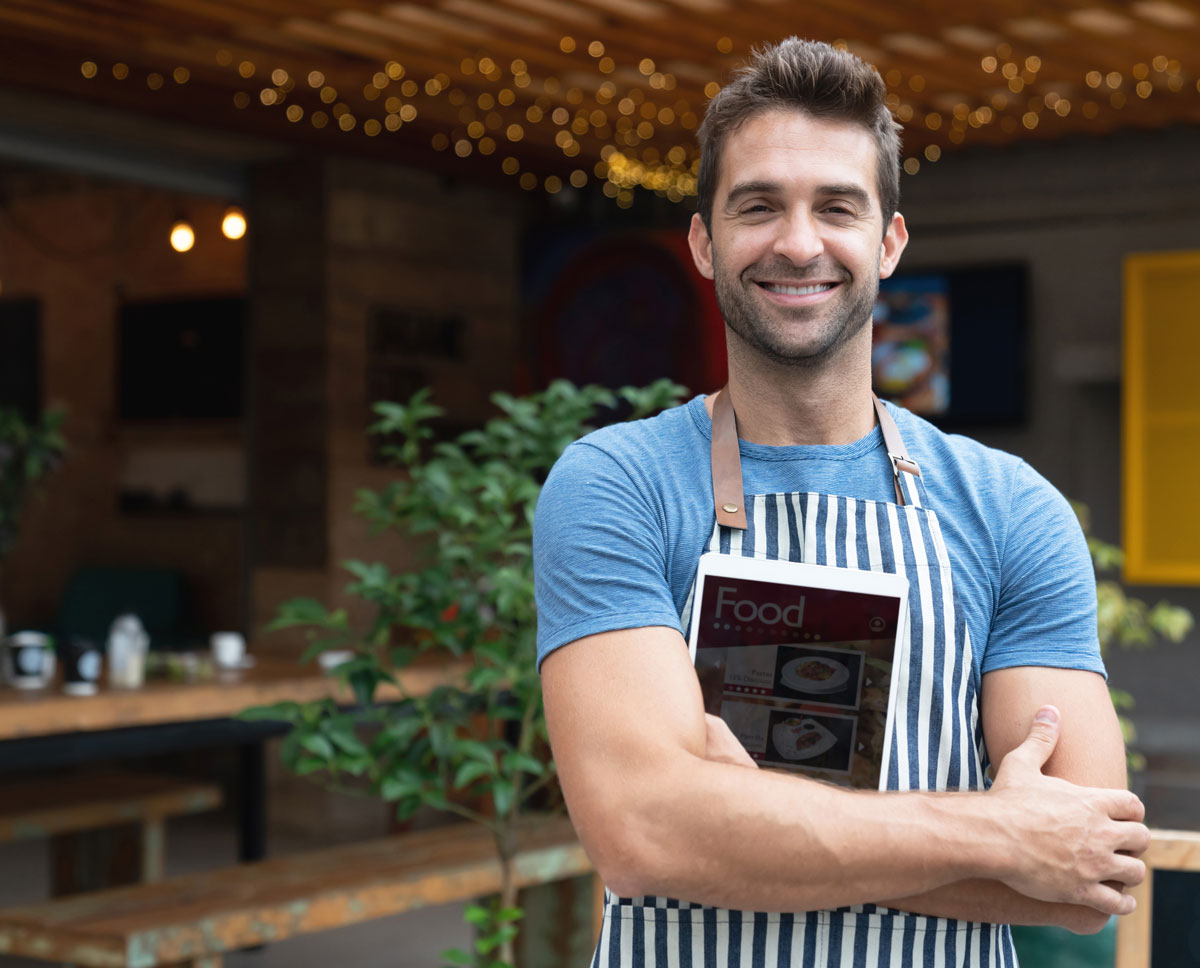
(1092, 50)
(433, 36)
(503, 18)
(629, 41)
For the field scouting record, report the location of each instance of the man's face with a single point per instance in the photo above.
(798, 243)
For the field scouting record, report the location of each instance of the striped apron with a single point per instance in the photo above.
(937, 740)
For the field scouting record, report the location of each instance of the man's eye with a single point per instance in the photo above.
(756, 209)
(839, 210)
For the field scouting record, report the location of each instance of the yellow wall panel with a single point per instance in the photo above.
(1161, 419)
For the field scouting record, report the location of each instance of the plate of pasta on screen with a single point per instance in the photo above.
(814, 674)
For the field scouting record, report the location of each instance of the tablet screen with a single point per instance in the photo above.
(802, 674)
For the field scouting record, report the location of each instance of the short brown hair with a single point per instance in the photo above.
(813, 77)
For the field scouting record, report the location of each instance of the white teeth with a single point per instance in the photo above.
(798, 290)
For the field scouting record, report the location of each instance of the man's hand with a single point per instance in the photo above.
(721, 746)
(1069, 840)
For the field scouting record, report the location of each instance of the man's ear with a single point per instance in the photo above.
(701, 246)
(894, 241)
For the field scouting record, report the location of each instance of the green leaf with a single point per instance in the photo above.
(441, 735)
(398, 787)
(503, 794)
(286, 711)
(477, 750)
(308, 764)
(474, 914)
(456, 956)
(519, 762)
(299, 611)
(344, 739)
(318, 745)
(469, 772)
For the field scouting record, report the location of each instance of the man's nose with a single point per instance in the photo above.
(799, 239)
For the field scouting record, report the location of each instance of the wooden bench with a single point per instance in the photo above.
(59, 805)
(193, 920)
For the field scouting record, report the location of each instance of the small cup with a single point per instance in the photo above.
(81, 666)
(29, 660)
(228, 649)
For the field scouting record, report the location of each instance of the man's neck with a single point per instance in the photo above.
(782, 405)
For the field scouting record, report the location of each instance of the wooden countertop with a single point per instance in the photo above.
(272, 679)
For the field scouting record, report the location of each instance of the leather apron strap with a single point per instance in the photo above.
(728, 493)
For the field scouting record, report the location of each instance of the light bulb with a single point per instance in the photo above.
(234, 223)
(182, 236)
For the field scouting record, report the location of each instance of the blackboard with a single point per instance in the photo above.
(1175, 920)
(21, 356)
(1164, 930)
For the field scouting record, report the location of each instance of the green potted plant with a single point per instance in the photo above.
(1129, 623)
(28, 452)
(476, 748)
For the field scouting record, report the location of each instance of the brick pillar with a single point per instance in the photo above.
(288, 360)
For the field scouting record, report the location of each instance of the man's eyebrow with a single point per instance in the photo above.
(853, 192)
(742, 189)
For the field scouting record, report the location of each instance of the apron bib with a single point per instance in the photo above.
(937, 741)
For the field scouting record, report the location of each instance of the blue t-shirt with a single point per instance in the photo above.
(627, 511)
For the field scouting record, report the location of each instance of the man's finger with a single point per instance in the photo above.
(1125, 805)
(1036, 748)
(1133, 838)
(1108, 900)
(1128, 871)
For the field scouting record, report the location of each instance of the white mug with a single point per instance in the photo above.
(228, 649)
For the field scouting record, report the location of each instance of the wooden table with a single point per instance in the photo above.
(45, 728)
(46, 712)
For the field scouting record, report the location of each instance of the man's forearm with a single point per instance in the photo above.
(659, 818)
(984, 900)
(772, 842)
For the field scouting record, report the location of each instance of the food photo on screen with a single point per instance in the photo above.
(832, 677)
(844, 747)
(815, 742)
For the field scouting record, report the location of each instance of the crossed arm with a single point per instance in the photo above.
(664, 810)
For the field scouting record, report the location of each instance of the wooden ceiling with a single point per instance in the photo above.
(558, 91)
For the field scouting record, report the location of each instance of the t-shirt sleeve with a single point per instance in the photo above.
(599, 552)
(1046, 614)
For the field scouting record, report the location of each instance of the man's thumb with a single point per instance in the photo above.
(1042, 738)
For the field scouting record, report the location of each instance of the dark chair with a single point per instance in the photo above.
(96, 595)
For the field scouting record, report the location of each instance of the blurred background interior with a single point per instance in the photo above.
(227, 228)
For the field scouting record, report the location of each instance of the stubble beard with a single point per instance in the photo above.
(764, 328)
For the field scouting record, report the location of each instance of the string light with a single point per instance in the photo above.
(233, 225)
(636, 136)
(182, 236)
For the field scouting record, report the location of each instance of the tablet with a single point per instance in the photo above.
(804, 662)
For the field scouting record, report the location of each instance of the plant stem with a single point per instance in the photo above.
(506, 847)
(468, 814)
(543, 781)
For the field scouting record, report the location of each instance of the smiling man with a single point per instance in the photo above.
(708, 860)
